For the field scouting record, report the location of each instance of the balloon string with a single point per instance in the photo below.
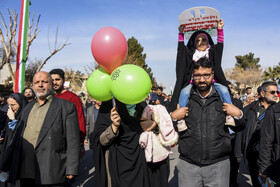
(113, 101)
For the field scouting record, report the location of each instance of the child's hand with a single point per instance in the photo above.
(181, 28)
(220, 24)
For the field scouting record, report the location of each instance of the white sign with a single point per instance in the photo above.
(199, 18)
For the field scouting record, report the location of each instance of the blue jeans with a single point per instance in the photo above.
(221, 89)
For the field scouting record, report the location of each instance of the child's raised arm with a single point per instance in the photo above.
(181, 33)
(220, 24)
(220, 30)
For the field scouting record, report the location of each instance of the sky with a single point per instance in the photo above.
(250, 26)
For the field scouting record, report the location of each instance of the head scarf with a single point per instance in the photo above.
(202, 34)
(21, 100)
(191, 42)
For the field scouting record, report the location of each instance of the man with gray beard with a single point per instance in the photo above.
(253, 120)
(45, 150)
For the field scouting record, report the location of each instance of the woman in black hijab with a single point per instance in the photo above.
(17, 103)
(119, 159)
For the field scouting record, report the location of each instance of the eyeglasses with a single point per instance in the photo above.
(198, 76)
(273, 92)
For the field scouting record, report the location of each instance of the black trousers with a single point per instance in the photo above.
(31, 183)
(254, 169)
(234, 165)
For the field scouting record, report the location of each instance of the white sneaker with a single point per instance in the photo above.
(230, 121)
(181, 125)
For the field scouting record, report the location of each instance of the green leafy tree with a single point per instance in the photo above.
(136, 56)
(247, 62)
(272, 73)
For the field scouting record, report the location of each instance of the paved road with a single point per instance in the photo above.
(87, 171)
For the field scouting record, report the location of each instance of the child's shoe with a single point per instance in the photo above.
(181, 125)
(229, 120)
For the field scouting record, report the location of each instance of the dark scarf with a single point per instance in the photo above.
(126, 158)
(21, 100)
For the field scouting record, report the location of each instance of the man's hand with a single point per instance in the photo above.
(86, 142)
(69, 176)
(147, 124)
(180, 113)
(232, 110)
(220, 24)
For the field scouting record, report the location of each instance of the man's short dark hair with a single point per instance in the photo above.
(248, 88)
(228, 82)
(154, 88)
(259, 90)
(203, 62)
(161, 88)
(59, 72)
(266, 84)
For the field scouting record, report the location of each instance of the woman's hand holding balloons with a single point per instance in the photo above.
(116, 120)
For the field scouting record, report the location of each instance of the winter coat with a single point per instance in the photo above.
(206, 140)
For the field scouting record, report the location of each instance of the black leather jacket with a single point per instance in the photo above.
(206, 140)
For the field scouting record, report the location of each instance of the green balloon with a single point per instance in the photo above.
(130, 84)
(98, 85)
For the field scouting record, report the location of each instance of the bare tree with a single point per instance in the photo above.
(55, 50)
(249, 77)
(9, 43)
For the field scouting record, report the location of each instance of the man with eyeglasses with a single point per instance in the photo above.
(269, 158)
(254, 114)
(204, 146)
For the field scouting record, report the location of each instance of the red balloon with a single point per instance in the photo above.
(109, 48)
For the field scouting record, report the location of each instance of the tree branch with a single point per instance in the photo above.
(53, 53)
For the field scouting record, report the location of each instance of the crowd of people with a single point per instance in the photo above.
(44, 129)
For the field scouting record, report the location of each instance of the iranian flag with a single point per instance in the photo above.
(22, 42)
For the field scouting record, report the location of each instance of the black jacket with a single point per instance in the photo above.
(250, 113)
(58, 145)
(206, 140)
(127, 164)
(236, 141)
(269, 159)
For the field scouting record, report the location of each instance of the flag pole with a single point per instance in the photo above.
(21, 48)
